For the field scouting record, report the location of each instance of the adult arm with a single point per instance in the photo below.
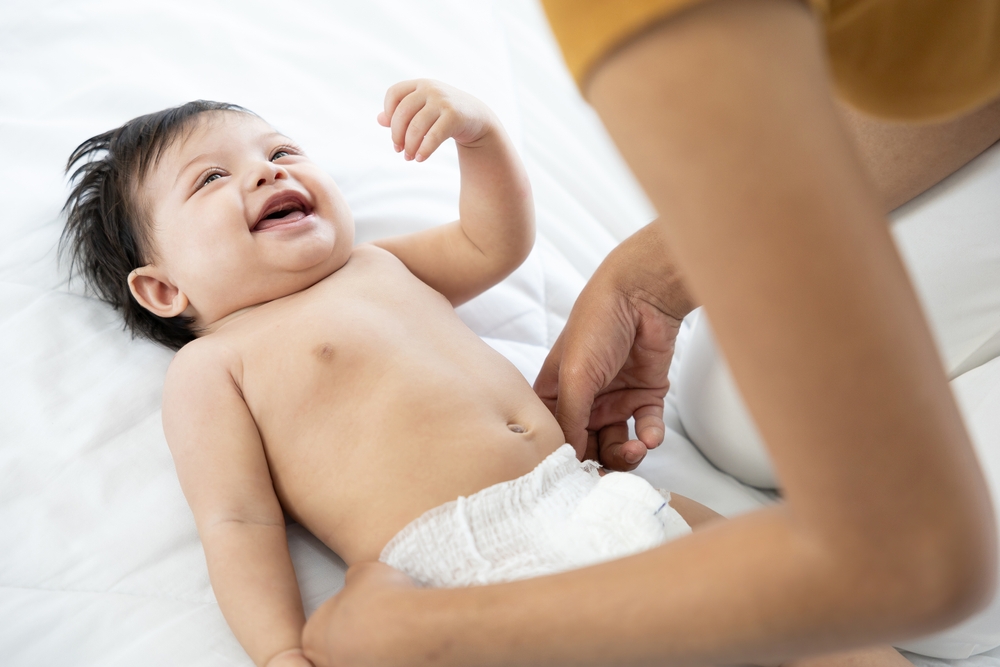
(725, 115)
(638, 294)
(779, 235)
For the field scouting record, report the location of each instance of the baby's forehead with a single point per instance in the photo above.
(212, 136)
(221, 130)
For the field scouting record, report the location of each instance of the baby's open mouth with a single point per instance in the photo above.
(281, 209)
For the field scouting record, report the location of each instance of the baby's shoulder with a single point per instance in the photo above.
(204, 360)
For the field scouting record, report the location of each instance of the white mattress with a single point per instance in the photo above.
(99, 559)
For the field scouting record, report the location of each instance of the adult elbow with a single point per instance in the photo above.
(943, 576)
(962, 578)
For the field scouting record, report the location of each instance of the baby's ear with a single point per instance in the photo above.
(154, 292)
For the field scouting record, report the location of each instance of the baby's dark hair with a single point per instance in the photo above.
(108, 229)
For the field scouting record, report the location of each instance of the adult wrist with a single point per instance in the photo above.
(646, 271)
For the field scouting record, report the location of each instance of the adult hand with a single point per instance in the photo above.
(610, 362)
(355, 626)
(293, 657)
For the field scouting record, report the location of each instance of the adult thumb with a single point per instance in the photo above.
(573, 405)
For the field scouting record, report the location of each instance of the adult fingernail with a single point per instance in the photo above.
(397, 147)
(632, 457)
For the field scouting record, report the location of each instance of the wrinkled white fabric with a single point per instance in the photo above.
(560, 516)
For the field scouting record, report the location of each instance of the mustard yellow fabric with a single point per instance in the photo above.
(903, 59)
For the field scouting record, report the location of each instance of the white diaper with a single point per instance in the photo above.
(562, 515)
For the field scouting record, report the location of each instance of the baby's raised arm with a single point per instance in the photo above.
(224, 474)
(496, 226)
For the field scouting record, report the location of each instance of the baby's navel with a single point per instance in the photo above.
(517, 428)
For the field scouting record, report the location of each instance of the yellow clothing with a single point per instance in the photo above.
(904, 59)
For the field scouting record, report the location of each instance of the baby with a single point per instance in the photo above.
(334, 383)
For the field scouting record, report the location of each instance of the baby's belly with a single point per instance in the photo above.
(358, 465)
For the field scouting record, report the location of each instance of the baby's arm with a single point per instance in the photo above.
(222, 469)
(496, 226)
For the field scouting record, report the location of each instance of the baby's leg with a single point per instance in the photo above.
(694, 513)
(881, 656)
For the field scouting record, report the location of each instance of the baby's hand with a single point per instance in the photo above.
(423, 113)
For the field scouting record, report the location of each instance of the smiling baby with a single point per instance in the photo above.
(331, 382)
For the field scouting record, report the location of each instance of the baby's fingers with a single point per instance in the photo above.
(393, 97)
(416, 133)
(434, 137)
(407, 108)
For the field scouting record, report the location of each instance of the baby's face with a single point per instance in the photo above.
(241, 216)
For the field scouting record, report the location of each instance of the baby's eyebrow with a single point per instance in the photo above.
(188, 166)
(285, 139)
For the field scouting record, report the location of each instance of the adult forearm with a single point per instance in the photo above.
(720, 596)
(254, 582)
(901, 160)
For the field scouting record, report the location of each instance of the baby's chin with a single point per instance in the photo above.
(328, 264)
(318, 256)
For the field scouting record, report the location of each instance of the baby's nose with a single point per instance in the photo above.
(273, 172)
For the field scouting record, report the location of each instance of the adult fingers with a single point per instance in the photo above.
(649, 427)
(316, 633)
(622, 403)
(547, 383)
(592, 449)
(347, 628)
(577, 389)
(617, 452)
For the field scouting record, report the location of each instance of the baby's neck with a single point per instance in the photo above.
(296, 287)
(212, 327)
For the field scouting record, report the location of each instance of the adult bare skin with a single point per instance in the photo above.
(639, 289)
(904, 159)
(887, 531)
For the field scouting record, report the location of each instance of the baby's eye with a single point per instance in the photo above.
(208, 176)
(280, 153)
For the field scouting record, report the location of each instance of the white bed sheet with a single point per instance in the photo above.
(99, 559)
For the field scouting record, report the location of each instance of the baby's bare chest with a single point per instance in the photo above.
(346, 348)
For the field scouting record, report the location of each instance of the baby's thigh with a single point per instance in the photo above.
(694, 513)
